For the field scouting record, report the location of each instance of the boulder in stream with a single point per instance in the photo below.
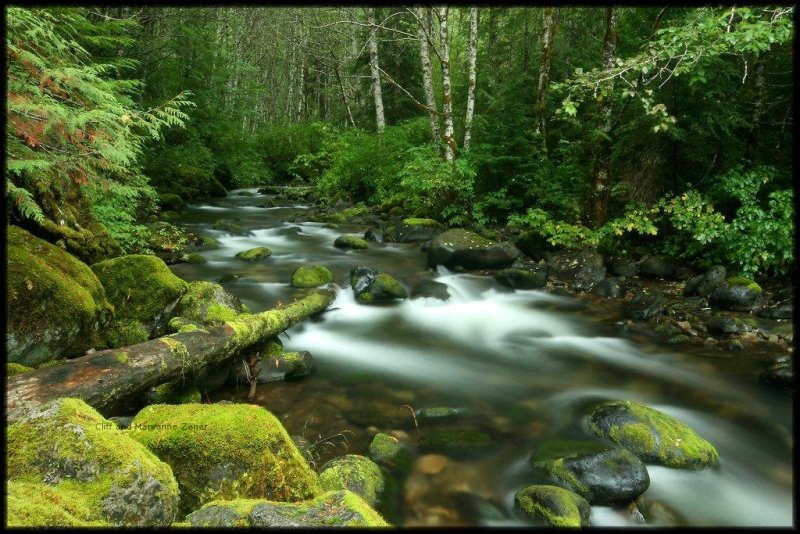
(415, 230)
(431, 289)
(307, 276)
(555, 506)
(523, 278)
(738, 294)
(370, 286)
(350, 241)
(253, 254)
(355, 473)
(580, 269)
(209, 304)
(466, 249)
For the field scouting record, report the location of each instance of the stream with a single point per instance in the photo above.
(522, 366)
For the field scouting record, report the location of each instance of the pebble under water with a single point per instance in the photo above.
(521, 366)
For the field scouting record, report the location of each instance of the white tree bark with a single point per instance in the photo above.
(380, 121)
(447, 103)
(423, 15)
(473, 56)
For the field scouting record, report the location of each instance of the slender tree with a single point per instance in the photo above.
(548, 36)
(374, 67)
(423, 22)
(473, 57)
(447, 101)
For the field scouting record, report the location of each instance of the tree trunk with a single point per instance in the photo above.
(424, 15)
(753, 139)
(473, 56)
(596, 211)
(112, 379)
(447, 103)
(380, 121)
(548, 35)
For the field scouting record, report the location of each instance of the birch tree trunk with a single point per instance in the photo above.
(597, 206)
(548, 36)
(447, 103)
(380, 121)
(473, 57)
(423, 18)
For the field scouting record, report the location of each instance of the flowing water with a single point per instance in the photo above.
(522, 366)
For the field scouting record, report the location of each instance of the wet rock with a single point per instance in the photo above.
(661, 267)
(231, 227)
(290, 231)
(555, 506)
(738, 294)
(333, 509)
(374, 234)
(653, 436)
(370, 286)
(416, 230)
(658, 514)
(608, 288)
(90, 465)
(437, 415)
(431, 289)
(523, 278)
(645, 304)
(246, 194)
(193, 258)
(270, 190)
(779, 310)
(396, 211)
(722, 325)
(469, 250)
(229, 278)
(386, 450)
(209, 304)
(254, 254)
(580, 269)
(278, 366)
(621, 266)
(607, 478)
(311, 276)
(268, 203)
(225, 451)
(707, 283)
(457, 443)
(349, 241)
(780, 374)
(355, 473)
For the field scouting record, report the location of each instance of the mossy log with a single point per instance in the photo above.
(110, 380)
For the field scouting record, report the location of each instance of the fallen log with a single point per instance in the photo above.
(108, 380)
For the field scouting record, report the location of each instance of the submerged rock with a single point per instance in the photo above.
(253, 254)
(370, 286)
(69, 454)
(555, 506)
(225, 452)
(437, 414)
(349, 241)
(580, 269)
(469, 250)
(523, 278)
(209, 304)
(55, 306)
(333, 509)
(355, 473)
(311, 276)
(278, 366)
(653, 436)
(431, 289)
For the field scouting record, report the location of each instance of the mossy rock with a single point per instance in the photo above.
(350, 241)
(170, 201)
(56, 306)
(386, 450)
(276, 366)
(438, 414)
(229, 226)
(356, 473)
(564, 448)
(179, 325)
(246, 194)
(141, 288)
(175, 392)
(225, 451)
(31, 504)
(208, 303)
(332, 509)
(126, 332)
(555, 506)
(194, 258)
(414, 230)
(253, 254)
(467, 249)
(370, 286)
(68, 446)
(734, 281)
(311, 276)
(653, 436)
(457, 443)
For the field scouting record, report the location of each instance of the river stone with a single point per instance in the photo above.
(523, 278)
(231, 227)
(555, 506)
(457, 443)
(253, 254)
(658, 267)
(707, 283)
(386, 450)
(645, 304)
(311, 276)
(333, 509)
(608, 288)
(607, 478)
(355, 473)
(55, 306)
(431, 289)
(209, 304)
(467, 249)
(349, 241)
(653, 436)
(225, 451)
(416, 230)
(779, 310)
(722, 325)
(738, 294)
(374, 234)
(370, 286)
(71, 450)
(580, 269)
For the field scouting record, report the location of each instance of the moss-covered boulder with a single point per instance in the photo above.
(738, 294)
(333, 509)
(225, 451)
(555, 506)
(15, 369)
(30, 504)
(230, 226)
(370, 286)
(653, 436)
(170, 201)
(350, 241)
(457, 443)
(311, 276)
(70, 448)
(415, 230)
(193, 258)
(356, 473)
(141, 288)
(469, 250)
(174, 392)
(126, 332)
(438, 415)
(254, 254)
(387, 450)
(209, 304)
(55, 304)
